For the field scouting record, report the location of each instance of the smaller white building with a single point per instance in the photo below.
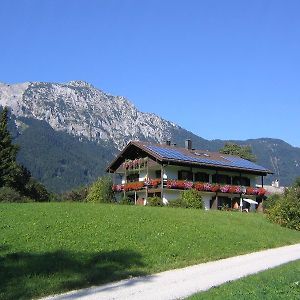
(164, 170)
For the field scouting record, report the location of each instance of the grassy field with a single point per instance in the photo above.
(53, 247)
(280, 283)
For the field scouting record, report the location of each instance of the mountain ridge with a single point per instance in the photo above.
(77, 113)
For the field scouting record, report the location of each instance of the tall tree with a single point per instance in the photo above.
(13, 174)
(237, 150)
(8, 153)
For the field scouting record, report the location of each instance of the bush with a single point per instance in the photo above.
(286, 210)
(76, 195)
(191, 199)
(101, 191)
(8, 194)
(175, 203)
(126, 201)
(154, 201)
(36, 191)
(270, 202)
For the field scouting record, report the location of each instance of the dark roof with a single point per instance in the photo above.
(182, 156)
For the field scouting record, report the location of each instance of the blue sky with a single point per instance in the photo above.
(222, 69)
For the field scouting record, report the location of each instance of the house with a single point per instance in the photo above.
(146, 170)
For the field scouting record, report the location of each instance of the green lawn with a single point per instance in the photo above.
(280, 283)
(53, 247)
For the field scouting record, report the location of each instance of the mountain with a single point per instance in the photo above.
(68, 132)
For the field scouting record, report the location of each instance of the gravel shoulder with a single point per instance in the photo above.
(180, 283)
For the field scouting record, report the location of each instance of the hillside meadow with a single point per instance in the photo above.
(48, 248)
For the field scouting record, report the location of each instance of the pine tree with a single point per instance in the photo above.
(12, 174)
(9, 169)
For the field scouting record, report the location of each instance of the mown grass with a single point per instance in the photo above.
(53, 247)
(279, 283)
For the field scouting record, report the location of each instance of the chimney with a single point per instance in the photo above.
(168, 142)
(188, 144)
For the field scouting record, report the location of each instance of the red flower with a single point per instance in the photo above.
(235, 189)
(155, 182)
(215, 188)
(133, 186)
(261, 191)
(199, 186)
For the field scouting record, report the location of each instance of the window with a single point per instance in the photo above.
(133, 177)
(220, 178)
(245, 181)
(185, 175)
(158, 174)
(202, 177)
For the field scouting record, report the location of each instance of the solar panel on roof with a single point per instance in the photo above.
(229, 161)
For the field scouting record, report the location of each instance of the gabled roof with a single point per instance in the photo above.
(165, 154)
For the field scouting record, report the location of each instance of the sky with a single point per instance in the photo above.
(221, 69)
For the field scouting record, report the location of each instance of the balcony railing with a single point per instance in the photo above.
(186, 185)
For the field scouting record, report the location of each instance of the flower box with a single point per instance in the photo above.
(225, 188)
(133, 186)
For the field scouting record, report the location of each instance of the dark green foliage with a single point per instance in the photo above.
(76, 195)
(14, 175)
(191, 199)
(296, 183)
(9, 169)
(101, 191)
(36, 191)
(126, 201)
(8, 194)
(237, 150)
(154, 201)
(60, 161)
(286, 210)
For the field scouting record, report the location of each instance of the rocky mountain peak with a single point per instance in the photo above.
(81, 110)
(80, 83)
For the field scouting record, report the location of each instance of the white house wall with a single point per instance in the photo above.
(206, 201)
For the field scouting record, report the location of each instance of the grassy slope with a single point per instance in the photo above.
(49, 248)
(280, 283)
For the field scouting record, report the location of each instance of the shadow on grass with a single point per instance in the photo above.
(26, 275)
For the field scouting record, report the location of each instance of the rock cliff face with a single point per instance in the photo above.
(68, 132)
(81, 110)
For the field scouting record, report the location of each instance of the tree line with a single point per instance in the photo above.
(16, 182)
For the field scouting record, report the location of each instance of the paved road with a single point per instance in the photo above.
(181, 283)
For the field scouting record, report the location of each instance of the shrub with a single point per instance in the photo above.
(126, 201)
(175, 203)
(286, 210)
(154, 201)
(191, 199)
(101, 191)
(270, 202)
(76, 195)
(8, 194)
(36, 191)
